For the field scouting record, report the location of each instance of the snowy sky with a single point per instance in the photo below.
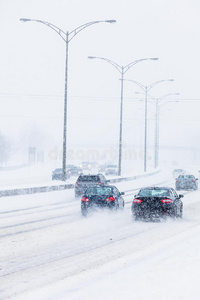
(32, 64)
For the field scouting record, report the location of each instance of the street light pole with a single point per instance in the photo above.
(67, 37)
(121, 120)
(157, 101)
(146, 89)
(122, 70)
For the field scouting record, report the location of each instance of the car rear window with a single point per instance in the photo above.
(154, 193)
(58, 170)
(99, 191)
(89, 178)
(186, 176)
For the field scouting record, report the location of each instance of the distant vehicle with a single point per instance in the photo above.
(101, 197)
(94, 165)
(85, 181)
(111, 170)
(178, 172)
(73, 170)
(57, 174)
(86, 165)
(102, 168)
(153, 203)
(186, 182)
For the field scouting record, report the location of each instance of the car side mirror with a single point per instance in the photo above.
(197, 178)
(181, 196)
(122, 193)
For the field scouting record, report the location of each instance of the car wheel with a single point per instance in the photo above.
(135, 216)
(122, 206)
(177, 215)
(181, 212)
(84, 212)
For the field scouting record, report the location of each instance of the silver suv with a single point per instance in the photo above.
(85, 181)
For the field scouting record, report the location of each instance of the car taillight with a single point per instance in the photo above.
(100, 183)
(166, 201)
(84, 199)
(137, 201)
(177, 181)
(193, 180)
(76, 184)
(109, 199)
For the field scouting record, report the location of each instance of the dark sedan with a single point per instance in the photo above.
(57, 174)
(101, 197)
(153, 203)
(186, 182)
(73, 170)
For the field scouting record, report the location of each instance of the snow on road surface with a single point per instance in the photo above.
(49, 251)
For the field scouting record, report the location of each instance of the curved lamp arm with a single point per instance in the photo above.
(167, 95)
(122, 69)
(156, 82)
(114, 64)
(80, 28)
(143, 87)
(127, 67)
(66, 36)
(59, 31)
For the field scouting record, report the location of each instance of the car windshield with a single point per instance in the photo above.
(154, 193)
(88, 178)
(58, 170)
(111, 166)
(186, 176)
(99, 191)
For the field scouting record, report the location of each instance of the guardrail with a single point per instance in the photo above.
(42, 189)
(133, 177)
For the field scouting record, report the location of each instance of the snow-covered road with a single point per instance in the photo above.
(49, 251)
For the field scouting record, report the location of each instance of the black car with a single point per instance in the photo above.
(155, 202)
(106, 196)
(86, 165)
(186, 182)
(85, 181)
(73, 170)
(102, 168)
(57, 174)
(178, 172)
(111, 170)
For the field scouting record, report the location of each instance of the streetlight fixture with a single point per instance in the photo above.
(66, 37)
(146, 89)
(122, 70)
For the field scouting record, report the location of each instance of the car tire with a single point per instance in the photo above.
(181, 212)
(177, 215)
(135, 217)
(84, 212)
(121, 206)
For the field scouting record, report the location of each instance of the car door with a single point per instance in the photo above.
(177, 200)
(118, 196)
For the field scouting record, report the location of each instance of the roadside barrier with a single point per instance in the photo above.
(50, 188)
